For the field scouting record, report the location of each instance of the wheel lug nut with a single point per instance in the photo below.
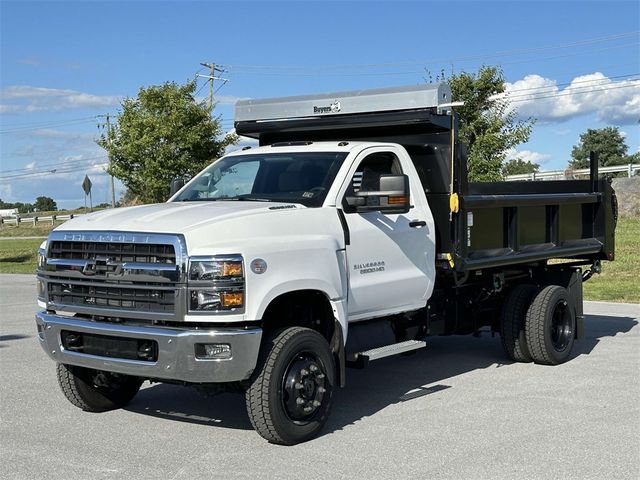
(298, 386)
(321, 389)
(307, 409)
(313, 368)
(299, 401)
(316, 403)
(320, 376)
(304, 372)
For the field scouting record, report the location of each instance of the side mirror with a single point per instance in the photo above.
(176, 184)
(393, 197)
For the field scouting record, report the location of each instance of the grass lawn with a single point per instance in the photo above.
(40, 230)
(620, 279)
(19, 256)
(618, 282)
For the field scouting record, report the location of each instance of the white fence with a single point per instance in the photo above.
(50, 219)
(570, 174)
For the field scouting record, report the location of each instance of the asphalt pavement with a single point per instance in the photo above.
(458, 409)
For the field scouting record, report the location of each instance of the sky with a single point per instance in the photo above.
(571, 65)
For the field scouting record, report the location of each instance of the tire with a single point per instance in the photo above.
(296, 369)
(550, 326)
(512, 322)
(94, 390)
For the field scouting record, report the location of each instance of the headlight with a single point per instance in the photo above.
(216, 284)
(42, 255)
(212, 269)
(42, 263)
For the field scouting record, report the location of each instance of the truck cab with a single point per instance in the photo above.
(350, 234)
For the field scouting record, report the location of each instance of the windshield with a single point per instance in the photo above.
(271, 177)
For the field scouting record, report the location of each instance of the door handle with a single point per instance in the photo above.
(417, 223)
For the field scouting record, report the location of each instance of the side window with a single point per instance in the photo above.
(367, 176)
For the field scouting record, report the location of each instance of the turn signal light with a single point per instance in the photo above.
(231, 299)
(398, 200)
(232, 269)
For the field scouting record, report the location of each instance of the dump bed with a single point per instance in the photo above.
(478, 225)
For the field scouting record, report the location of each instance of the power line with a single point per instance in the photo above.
(65, 124)
(316, 73)
(55, 172)
(566, 94)
(450, 60)
(27, 124)
(576, 82)
(50, 164)
(51, 170)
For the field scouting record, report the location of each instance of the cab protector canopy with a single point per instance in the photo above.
(345, 103)
(387, 114)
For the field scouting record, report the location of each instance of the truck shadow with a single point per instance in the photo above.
(368, 391)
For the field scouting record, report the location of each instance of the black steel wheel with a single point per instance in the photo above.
(95, 390)
(512, 322)
(304, 387)
(551, 326)
(289, 398)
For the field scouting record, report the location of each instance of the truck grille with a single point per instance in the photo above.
(125, 275)
(138, 299)
(118, 252)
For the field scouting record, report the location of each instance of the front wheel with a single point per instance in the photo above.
(289, 399)
(550, 326)
(95, 390)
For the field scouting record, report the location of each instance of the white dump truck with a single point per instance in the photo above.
(350, 234)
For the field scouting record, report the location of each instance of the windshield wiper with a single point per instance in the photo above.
(250, 199)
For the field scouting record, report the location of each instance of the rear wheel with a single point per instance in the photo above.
(550, 326)
(289, 398)
(95, 390)
(512, 322)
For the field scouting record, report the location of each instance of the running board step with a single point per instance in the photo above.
(363, 358)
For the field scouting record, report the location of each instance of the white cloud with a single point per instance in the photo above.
(528, 156)
(25, 98)
(613, 102)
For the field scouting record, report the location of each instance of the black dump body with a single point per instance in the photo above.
(496, 224)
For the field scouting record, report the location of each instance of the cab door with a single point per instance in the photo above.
(391, 257)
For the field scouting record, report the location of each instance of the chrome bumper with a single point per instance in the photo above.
(176, 358)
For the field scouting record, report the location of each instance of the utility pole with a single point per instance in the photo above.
(113, 186)
(210, 78)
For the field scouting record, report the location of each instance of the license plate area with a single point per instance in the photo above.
(109, 346)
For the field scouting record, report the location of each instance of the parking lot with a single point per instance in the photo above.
(485, 418)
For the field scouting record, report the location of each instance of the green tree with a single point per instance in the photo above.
(23, 207)
(160, 135)
(518, 166)
(607, 142)
(45, 204)
(488, 123)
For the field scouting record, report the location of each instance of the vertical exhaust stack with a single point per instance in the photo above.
(593, 170)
